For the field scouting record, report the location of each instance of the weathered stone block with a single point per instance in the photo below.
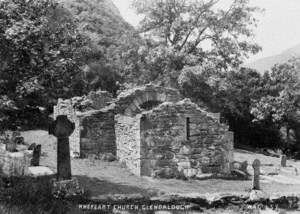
(14, 163)
(184, 165)
(37, 171)
(190, 172)
(67, 188)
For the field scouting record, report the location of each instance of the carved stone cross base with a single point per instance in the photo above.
(66, 188)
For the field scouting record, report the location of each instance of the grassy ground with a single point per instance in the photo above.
(111, 178)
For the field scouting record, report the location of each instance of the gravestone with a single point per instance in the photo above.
(244, 166)
(35, 161)
(62, 128)
(256, 168)
(11, 146)
(32, 146)
(283, 161)
(19, 140)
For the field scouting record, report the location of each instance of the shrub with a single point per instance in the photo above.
(31, 195)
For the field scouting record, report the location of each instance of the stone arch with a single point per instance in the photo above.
(131, 102)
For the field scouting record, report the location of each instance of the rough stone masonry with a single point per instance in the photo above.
(93, 116)
(160, 134)
(153, 131)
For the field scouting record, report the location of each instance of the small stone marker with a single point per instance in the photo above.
(62, 128)
(32, 146)
(283, 160)
(35, 161)
(256, 168)
(19, 140)
(11, 146)
(244, 166)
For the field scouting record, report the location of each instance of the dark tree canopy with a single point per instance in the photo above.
(41, 51)
(41, 54)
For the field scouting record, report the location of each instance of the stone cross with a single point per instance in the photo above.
(256, 168)
(62, 128)
(283, 160)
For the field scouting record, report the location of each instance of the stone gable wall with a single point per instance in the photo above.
(165, 150)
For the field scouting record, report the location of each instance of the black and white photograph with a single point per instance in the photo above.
(149, 106)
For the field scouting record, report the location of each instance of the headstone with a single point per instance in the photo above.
(19, 140)
(16, 133)
(32, 146)
(256, 168)
(283, 160)
(11, 146)
(62, 128)
(244, 166)
(35, 161)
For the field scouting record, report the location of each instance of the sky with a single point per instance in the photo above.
(278, 28)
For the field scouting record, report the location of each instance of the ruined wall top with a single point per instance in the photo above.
(130, 102)
(95, 100)
(184, 106)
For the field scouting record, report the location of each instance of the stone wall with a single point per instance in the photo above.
(100, 99)
(97, 134)
(93, 116)
(151, 130)
(128, 141)
(166, 151)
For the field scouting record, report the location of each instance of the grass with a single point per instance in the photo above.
(105, 178)
(27, 195)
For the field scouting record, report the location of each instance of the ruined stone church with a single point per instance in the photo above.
(153, 130)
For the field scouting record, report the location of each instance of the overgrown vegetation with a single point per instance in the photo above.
(33, 196)
(69, 48)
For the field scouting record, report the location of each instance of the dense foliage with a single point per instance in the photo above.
(28, 195)
(65, 49)
(110, 62)
(256, 107)
(280, 103)
(41, 54)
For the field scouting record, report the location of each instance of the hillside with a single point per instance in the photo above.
(100, 20)
(110, 36)
(266, 63)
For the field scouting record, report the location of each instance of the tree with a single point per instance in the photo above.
(196, 32)
(114, 44)
(41, 53)
(280, 104)
(282, 97)
(232, 94)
